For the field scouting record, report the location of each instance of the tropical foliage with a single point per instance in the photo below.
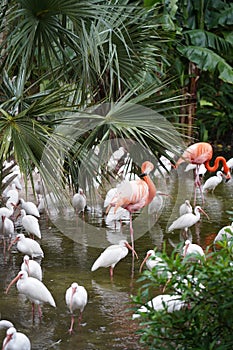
(206, 320)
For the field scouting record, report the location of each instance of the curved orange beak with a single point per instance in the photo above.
(13, 242)
(144, 261)
(131, 248)
(204, 213)
(12, 282)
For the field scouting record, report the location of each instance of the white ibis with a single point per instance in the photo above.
(15, 340)
(33, 289)
(166, 302)
(151, 260)
(156, 205)
(32, 267)
(76, 299)
(29, 207)
(212, 182)
(185, 208)
(30, 224)
(27, 246)
(192, 249)
(115, 158)
(225, 231)
(112, 255)
(12, 195)
(187, 220)
(79, 201)
(8, 210)
(5, 324)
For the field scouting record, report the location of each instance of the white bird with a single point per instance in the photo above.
(79, 201)
(12, 195)
(8, 210)
(115, 157)
(32, 267)
(76, 299)
(226, 231)
(163, 170)
(27, 246)
(192, 249)
(212, 182)
(5, 324)
(109, 196)
(33, 289)
(151, 260)
(29, 207)
(15, 340)
(167, 302)
(30, 224)
(185, 208)
(156, 205)
(201, 171)
(187, 220)
(112, 255)
(121, 214)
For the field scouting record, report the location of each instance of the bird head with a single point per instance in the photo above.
(148, 255)
(21, 275)
(146, 168)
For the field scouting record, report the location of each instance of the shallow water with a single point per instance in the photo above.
(106, 322)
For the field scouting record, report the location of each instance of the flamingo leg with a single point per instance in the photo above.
(131, 232)
(71, 324)
(197, 183)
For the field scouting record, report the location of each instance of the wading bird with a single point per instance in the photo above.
(32, 267)
(212, 182)
(151, 260)
(29, 207)
(192, 249)
(185, 208)
(27, 246)
(79, 201)
(112, 255)
(34, 290)
(135, 194)
(202, 153)
(167, 302)
(187, 220)
(30, 224)
(15, 340)
(76, 299)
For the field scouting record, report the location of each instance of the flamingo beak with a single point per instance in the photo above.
(227, 176)
(142, 264)
(12, 282)
(204, 213)
(131, 248)
(13, 242)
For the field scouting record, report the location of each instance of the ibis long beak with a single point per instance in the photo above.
(8, 338)
(131, 248)
(12, 282)
(145, 259)
(13, 242)
(71, 299)
(186, 248)
(204, 213)
(27, 263)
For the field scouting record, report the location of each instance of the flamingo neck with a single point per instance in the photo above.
(216, 165)
(151, 187)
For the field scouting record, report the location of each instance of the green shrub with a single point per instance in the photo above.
(206, 321)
